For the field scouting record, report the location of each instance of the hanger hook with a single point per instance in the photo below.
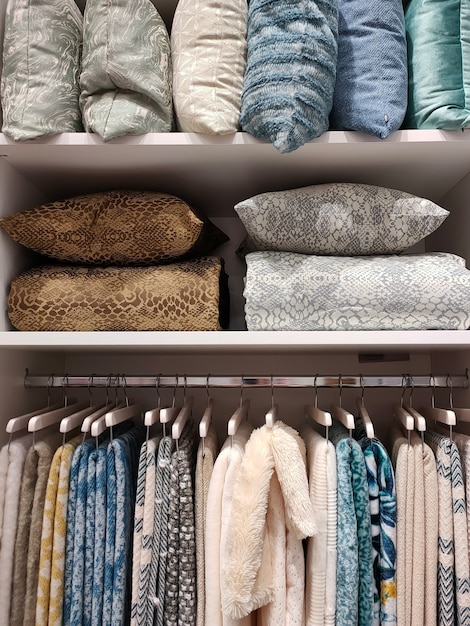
(315, 403)
(124, 387)
(157, 387)
(241, 390)
(50, 384)
(404, 384)
(90, 385)
(449, 384)
(432, 383)
(185, 382)
(173, 404)
(412, 388)
(361, 381)
(272, 390)
(340, 382)
(65, 380)
(207, 386)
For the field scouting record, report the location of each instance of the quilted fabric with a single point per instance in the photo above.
(287, 291)
(126, 76)
(371, 75)
(180, 296)
(41, 66)
(115, 228)
(208, 49)
(438, 69)
(338, 218)
(291, 69)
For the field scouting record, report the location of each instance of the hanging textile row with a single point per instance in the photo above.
(149, 526)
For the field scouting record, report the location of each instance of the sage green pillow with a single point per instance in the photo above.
(126, 69)
(41, 67)
(438, 68)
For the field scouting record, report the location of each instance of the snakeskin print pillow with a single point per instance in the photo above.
(339, 219)
(182, 296)
(288, 291)
(41, 66)
(208, 49)
(126, 69)
(115, 227)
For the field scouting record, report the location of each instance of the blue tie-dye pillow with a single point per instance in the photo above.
(290, 73)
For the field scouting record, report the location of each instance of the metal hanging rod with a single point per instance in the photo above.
(211, 381)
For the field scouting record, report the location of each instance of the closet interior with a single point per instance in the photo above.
(290, 369)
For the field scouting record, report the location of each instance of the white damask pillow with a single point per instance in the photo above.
(208, 49)
(288, 291)
(126, 75)
(339, 219)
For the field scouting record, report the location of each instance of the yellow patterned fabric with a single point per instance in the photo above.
(54, 526)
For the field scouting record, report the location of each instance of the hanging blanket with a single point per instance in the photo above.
(147, 515)
(219, 503)
(12, 461)
(320, 592)
(51, 570)
(180, 601)
(28, 535)
(463, 445)
(206, 455)
(453, 570)
(246, 584)
(354, 573)
(383, 510)
(99, 548)
(155, 601)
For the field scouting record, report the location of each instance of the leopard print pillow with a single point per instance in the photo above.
(115, 228)
(189, 295)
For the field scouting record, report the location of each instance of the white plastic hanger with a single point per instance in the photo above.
(344, 417)
(119, 415)
(364, 414)
(43, 420)
(317, 415)
(89, 420)
(271, 415)
(404, 418)
(419, 420)
(238, 416)
(152, 416)
(206, 418)
(170, 413)
(444, 416)
(15, 424)
(182, 418)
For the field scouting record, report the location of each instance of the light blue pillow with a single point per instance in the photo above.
(41, 68)
(290, 72)
(371, 76)
(126, 76)
(439, 73)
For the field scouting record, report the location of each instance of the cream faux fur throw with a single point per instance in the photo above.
(248, 581)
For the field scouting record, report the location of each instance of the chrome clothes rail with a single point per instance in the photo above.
(207, 381)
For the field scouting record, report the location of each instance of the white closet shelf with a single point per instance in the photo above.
(240, 341)
(424, 162)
